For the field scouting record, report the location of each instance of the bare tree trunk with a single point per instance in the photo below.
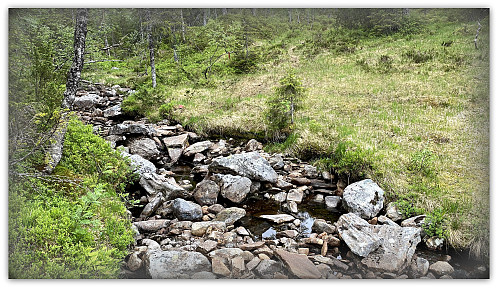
(477, 33)
(298, 20)
(224, 11)
(290, 15)
(151, 49)
(204, 16)
(253, 11)
(183, 25)
(54, 153)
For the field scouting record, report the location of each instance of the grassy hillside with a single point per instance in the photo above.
(404, 109)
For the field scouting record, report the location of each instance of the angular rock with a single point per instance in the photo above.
(215, 208)
(238, 266)
(282, 184)
(175, 264)
(200, 228)
(295, 195)
(441, 268)
(364, 198)
(332, 261)
(219, 267)
(197, 148)
(253, 263)
(233, 188)
(230, 215)
(253, 145)
(278, 218)
(198, 158)
(320, 226)
(279, 197)
(252, 246)
(420, 266)
(250, 165)
(186, 210)
(267, 268)
(434, 243)
(112, 111)
(299, 265)
(415, 221)
(396, 250)
(207, 246)
(180, 141)
(384, 220)
(175, 154)
(276, 161)
(357, 234)
(332, 202)
(300, 181)
(141, 165)
(129, 127)
(86, 101)
(151, 225)
(393, 212)
(206, 192)
(152, 206)
(226, 253)
(144, 147)
(155, 183)
(310, 171)
(134, 262)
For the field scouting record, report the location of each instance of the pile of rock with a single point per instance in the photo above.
(189, 226)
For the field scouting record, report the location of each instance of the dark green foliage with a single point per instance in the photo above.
(281, 107)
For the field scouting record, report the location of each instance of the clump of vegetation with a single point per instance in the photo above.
(282, 107)
(417, 56)
(72, 224)
(436, 224)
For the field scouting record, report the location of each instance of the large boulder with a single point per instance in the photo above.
(396, 249)
(206, 192)
(250, 165)
(364, 198)
(175, 264)
(385, 248)
(233, 188)
(186, 210)
(299, 265)
(357, 234)
(155, 183)
(86, 101)
(144, 147)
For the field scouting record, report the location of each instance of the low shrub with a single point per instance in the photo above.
(71, 224)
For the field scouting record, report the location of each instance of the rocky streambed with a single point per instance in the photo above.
(222, 208)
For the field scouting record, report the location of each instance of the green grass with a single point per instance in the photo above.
(391, 103)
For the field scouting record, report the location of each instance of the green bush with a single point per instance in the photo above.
(72, 224)
(436, 224)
